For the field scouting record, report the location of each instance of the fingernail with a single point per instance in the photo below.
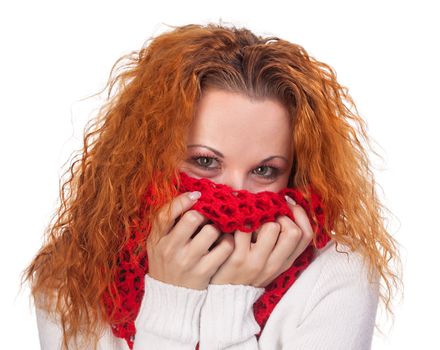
(194, 195)
(290, 200)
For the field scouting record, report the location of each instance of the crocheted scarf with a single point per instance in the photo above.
(228, 210)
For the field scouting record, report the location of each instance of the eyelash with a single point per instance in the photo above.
(275, 170)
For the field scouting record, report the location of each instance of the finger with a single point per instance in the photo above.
(267, 238)
(302, 220)
(216, 257)
(242, 242)
(296, 235)
(287, 245)
(208, 235)
(190, 222)
(170, 212)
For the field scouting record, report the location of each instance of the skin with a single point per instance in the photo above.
(241, 133)
(227, 122)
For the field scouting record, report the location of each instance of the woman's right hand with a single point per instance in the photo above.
(175, 257)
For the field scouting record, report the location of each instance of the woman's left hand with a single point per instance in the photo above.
(278, 245)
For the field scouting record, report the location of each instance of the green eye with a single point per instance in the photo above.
(205, 162)
(272, 174)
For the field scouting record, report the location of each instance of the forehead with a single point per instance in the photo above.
(230, 118)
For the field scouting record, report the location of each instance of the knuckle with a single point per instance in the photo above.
(307, 235)
(161, 217)
(272, 226)
(292, 257)
(185, 262)
(211, 229)
(228, 250)
(203, 271)
(256, 269)
(229, 245)
(226, 244)
(271, 270)
(256, 266)
(286, 222)
(236, 260)
(286, 265)
(295, 232)
(193, 216)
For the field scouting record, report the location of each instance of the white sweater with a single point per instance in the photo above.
(330, 306)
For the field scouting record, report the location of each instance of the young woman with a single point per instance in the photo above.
(134, 262)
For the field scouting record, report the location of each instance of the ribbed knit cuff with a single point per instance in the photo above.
(227, 315)
(171, 311)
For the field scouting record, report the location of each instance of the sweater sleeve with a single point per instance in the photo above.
(227, 318)
(341, 310)
(169, 317)
(50, 335)
(338, 313)
(49, 330)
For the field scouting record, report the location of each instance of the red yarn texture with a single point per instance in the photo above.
(229, 210)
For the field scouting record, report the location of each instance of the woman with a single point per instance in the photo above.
(252, 114)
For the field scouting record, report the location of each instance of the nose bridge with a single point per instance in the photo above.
(236, 179)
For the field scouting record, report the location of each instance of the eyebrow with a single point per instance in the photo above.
(222, 156)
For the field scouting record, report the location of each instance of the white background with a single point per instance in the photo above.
(53, 54)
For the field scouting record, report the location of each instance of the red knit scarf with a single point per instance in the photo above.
(228, 210)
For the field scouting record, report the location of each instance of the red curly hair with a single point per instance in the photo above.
(141, 131)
